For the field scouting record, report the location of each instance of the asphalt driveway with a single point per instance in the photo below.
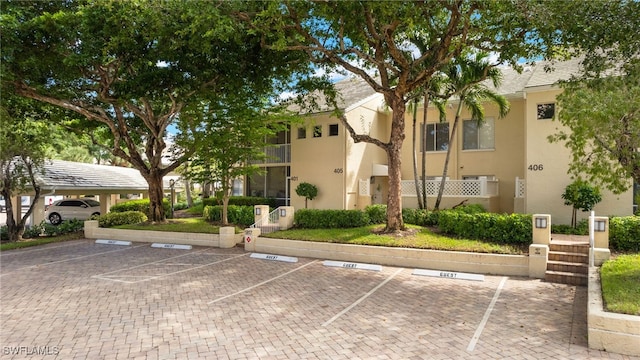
(82, 300)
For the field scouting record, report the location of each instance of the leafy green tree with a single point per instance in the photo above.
(130, 68)
(602, 119)
(308, 191)
(378, 41)
(580, 195)
(463, 78)
(24, 145)
(600, 105)
(234, 140)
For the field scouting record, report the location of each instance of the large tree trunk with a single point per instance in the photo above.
(187, 188)
(156, 195)
(394, 156)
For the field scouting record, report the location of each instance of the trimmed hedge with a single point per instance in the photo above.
(121, 218)
(238, 215)
(241, 201)
(330, 219)
(624, 233)
(420, 217)
(141, 205)
(499, 228)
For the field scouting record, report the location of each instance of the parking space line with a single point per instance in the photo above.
(476, 335)
(72, 259)
(193, 268)
(328, 322)
(153, 262)
(262, 283)
(110, 277)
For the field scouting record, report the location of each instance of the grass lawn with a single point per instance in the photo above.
(421, 239)
(194, 225)
(620, 279)
(41, 241)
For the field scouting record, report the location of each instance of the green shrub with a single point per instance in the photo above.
(121, 218)
(420, 217)
(498, 228)
(238, 215)
(377, 213)
(330, 219)
(624, 233)
(582, 228)
(46, 229)
(470, 209)
(180, 206)
(141, 205)
(241, 201)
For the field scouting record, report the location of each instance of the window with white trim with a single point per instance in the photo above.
(478, 136)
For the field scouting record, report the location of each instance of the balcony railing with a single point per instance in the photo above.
(469, 188)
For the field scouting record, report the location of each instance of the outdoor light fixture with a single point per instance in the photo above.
(257, 211)
(541, 223)
(599, 225)
(283, 212)
(172, 183)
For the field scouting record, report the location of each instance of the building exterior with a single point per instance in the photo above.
(507, 165)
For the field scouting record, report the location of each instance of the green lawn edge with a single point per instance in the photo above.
(620, 279)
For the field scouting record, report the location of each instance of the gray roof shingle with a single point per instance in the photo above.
(66, 175)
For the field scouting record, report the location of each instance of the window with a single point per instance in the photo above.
(333, 130)
(478, 136)
(317, 131)
(302, 133)
(546, 111)
(437, 137)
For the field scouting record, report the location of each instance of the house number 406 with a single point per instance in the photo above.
(535, 167)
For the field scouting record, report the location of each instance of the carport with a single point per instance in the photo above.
(72, 179)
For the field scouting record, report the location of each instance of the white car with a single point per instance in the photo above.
(81, 209)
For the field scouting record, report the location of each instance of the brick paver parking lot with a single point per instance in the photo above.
(82, 300)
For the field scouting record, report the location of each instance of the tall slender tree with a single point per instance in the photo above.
(464, 79)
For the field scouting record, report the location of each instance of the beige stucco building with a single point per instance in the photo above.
(507, 164)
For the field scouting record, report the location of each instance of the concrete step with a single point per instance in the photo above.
(569, 257)
(572, 248)
(561, 277)
(576, 268)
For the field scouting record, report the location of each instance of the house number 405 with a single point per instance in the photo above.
(535, 167)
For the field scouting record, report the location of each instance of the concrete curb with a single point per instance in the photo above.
(608, 331)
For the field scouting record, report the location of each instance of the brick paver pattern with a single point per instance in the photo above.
(82, 300)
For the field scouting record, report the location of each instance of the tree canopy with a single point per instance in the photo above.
(600, 104)
(397, 47)
(132, 67)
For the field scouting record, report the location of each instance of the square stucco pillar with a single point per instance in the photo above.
(250, 237)
(285, 219)
(538, 258)
(260, 212)
(541, 229)
(601, 252)
(539, 250)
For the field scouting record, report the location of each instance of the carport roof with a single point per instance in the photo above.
(67, 175)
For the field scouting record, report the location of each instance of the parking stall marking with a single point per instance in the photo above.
(362, 298)
(112, 276)
(262, 283)
(70, 259)
(476, 335)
